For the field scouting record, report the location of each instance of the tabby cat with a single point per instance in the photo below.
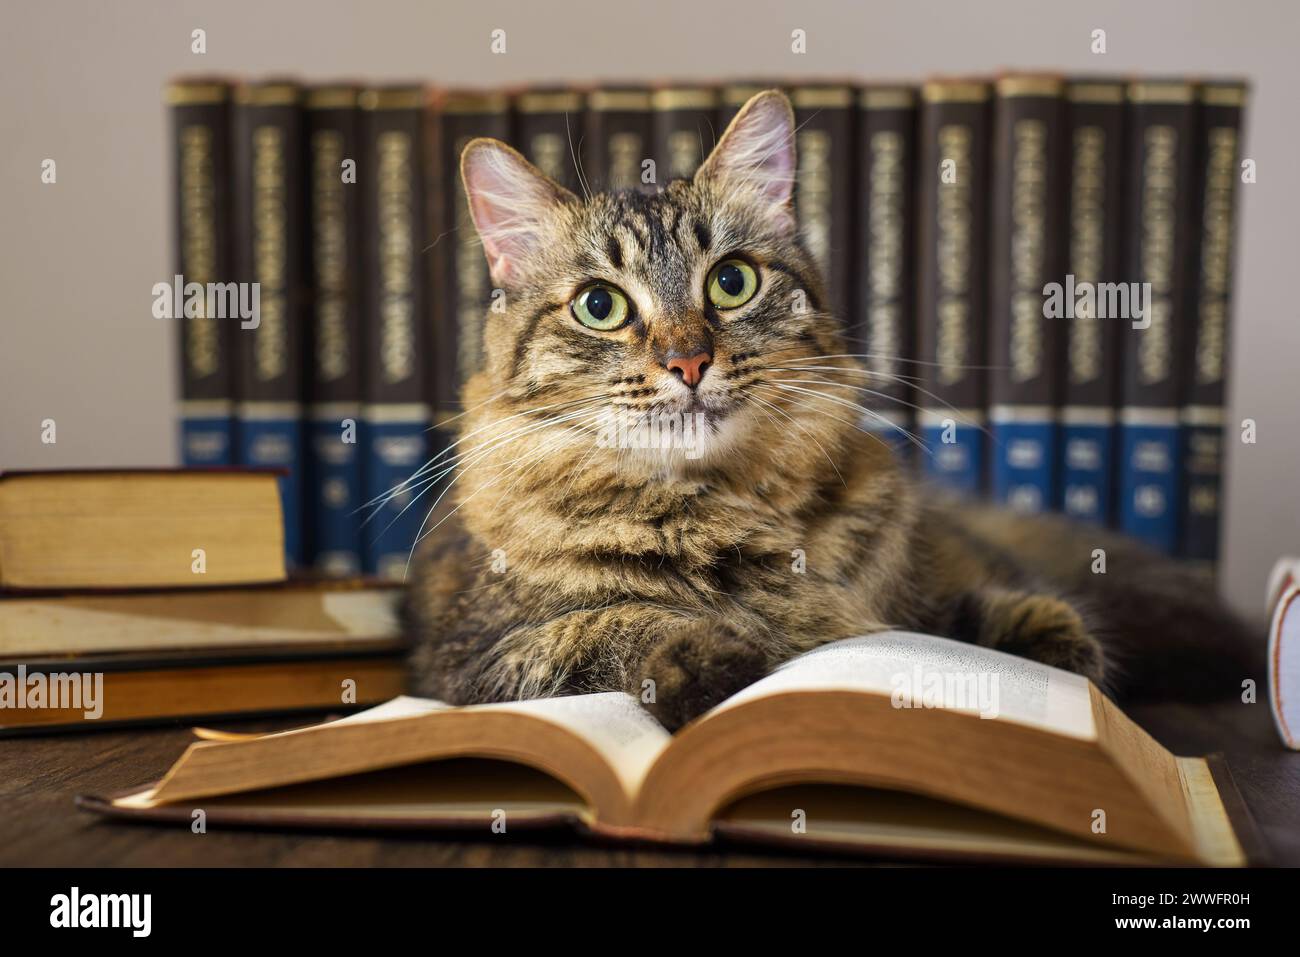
(762, 521)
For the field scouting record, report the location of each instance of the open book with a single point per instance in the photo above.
(893, 743)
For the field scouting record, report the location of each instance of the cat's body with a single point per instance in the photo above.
(574, 560)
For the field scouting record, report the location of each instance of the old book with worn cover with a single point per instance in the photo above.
(951, 281)
(894, 743)
(1161, 203)
(1207, 348)
(883, 328)
(395, 414)
(1025, 256)
(200, 126)
(1094, 252)
(548, 127)
(141, 528)
(685, 128)
(271, 251)
(617, 141)
(334, 360)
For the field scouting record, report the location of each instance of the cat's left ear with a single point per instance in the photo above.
(757, 153)
(510, 201)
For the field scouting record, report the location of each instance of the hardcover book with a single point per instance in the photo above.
(685, 129)
(951, 281)
(824, 185)
(850, 747)
(886, 242)
(619, 131)
(200, 130)
(1208, 347)
(1161, 202)
(334, 368)
(548, 127)
(1025, 255)
(1095, 156)
(395, 411)
(271, 249)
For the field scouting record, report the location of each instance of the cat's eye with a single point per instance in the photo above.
(732, 283)
(601, 307)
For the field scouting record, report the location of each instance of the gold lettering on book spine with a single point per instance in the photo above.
(1087, 232)
(198, 241)
(1216, 253)
(1158, 223)
(953, 222)
(397, 255)
(330, 249)
(885, 252)
(813, 197)
(270, 253)
(1028, 239)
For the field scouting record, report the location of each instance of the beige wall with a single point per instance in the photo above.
(81, 80)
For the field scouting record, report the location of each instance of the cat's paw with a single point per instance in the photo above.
(698, 666)
(1046, 629)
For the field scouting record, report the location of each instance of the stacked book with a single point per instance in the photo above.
(130, 596)
(1037, 271)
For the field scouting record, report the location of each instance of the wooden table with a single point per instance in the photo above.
(40, 775)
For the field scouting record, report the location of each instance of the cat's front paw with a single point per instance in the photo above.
(695, 668)
(1049, 630)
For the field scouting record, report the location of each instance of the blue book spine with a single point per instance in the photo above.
(1087, 464)
(396, 440)
(954, 450)
(270, 435)
(1024, 459)
(334, 483)
(1150, 473)
(207, 434)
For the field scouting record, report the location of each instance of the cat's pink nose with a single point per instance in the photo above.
(691, 369)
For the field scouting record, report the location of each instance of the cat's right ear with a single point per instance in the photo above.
(510, 201)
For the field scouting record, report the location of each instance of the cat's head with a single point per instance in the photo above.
(661, 333)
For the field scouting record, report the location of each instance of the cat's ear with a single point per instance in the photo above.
(510, 201)
(757, 153)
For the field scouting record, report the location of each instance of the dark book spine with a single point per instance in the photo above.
(1208, 348)
(395, 413)
(334, 372)
(200, 114)
(685, 129)
(462, 285)
(1095, 158)
(271, 246)
(824, 185)
(883, 327)
(548, 127)
(1161, 203)
(1025, 255)
(951, 287)
(619, 126)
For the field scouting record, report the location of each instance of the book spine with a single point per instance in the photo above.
(1025, 256)
(1206, 358)
(395, 413)
(200, 127)
(619, 127)
(270, 251)
(824, 184)
(463, 286)
(1094, 256)
(1161, 198)
(334, 371)
(548, 124)
(883, 327)
(951, 287)
(685, 129)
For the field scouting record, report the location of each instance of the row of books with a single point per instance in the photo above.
(941, 214)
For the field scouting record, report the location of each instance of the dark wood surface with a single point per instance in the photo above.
(39, 824)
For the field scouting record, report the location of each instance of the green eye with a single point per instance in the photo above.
(732, 283)
(600, 307)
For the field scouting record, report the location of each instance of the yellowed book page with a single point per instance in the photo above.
(922, 671)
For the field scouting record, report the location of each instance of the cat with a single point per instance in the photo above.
(761, 521)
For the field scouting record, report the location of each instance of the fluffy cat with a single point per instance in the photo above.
(566, 559)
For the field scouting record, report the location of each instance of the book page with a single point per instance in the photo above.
(614, 723)
(922, 671)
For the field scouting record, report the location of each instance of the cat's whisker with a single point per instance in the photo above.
(795, 422)
(858, 407)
